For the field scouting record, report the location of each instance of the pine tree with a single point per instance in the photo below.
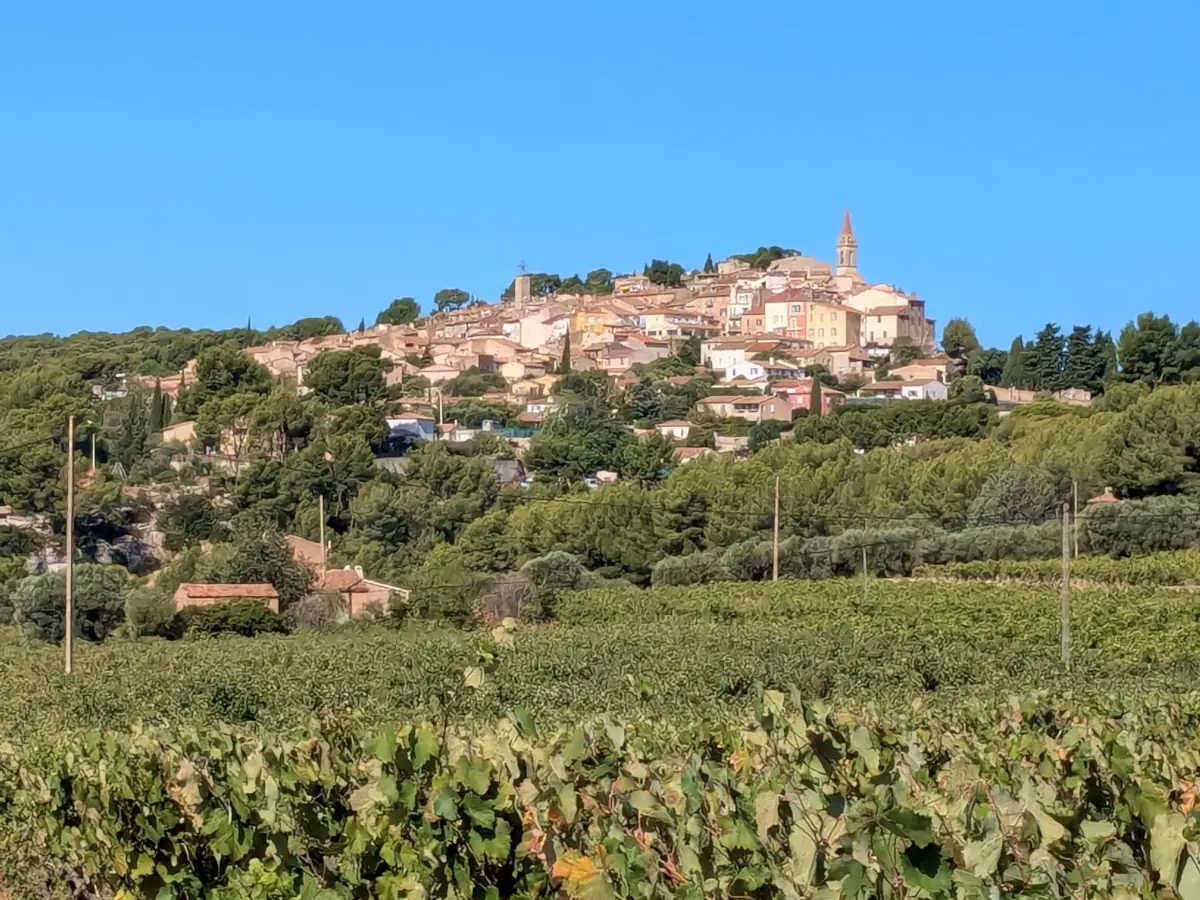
(1084, 367)
(565, 365)
(1046, 359)
(709, 268)
(156, 407)
(1014, 367)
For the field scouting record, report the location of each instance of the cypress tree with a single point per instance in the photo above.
(362, 325)
(814, 402)
(565, 365)
(156, 407)
(1106, 352)
(1014, 374)
(709, 268)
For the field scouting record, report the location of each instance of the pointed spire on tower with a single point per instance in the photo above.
(847, 251)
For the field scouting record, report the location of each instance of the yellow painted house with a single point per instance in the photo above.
(833, 325)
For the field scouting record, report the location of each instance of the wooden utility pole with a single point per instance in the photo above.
(93, 451)
(1066, 585)
(1075, 517)
(775, 539)
(321, 513)
(69, 613)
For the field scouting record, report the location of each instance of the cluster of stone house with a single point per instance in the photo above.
(823, 312)
(761, 331)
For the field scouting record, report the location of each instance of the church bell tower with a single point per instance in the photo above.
(847, 250)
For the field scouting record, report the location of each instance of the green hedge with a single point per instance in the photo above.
(1127, 528)
(1041, 798)
(1135, 527)
(1181, 567)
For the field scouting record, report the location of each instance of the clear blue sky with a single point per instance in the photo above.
(195, 164)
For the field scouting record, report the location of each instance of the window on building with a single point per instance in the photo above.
(820, 332)
(885, 334)
(833, 332)
(797, 308)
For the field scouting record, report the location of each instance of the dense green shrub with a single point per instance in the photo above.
(246, 617)
(748, 560)
(1177, 567)
(695, 568)
(549, 575)
(1133, 527)
(39, 602)
(1013, 496)
(148, 611)
(16, 541)
(1014, 542)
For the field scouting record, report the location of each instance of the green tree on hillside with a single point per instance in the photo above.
(1085, 366)
(564, 364)
(343, 377)
(305, 329)
(1046, 359)
(1014, 374)
(1144, 348)
(958, 338)
(662, 272)
(222, 371)
(400, 311)
(598, 281)
(647, 461)
(449, 299)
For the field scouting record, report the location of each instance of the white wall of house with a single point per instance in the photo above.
(929, 390)
(675, 432)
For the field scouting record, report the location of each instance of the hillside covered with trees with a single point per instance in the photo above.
(451, 519)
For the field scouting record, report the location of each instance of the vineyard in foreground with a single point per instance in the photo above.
(1041, 799)
(829, 739)
(677, 654)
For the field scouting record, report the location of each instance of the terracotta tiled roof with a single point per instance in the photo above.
(265, 591)
(343, 580)
(675, 423)
(303, 549)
